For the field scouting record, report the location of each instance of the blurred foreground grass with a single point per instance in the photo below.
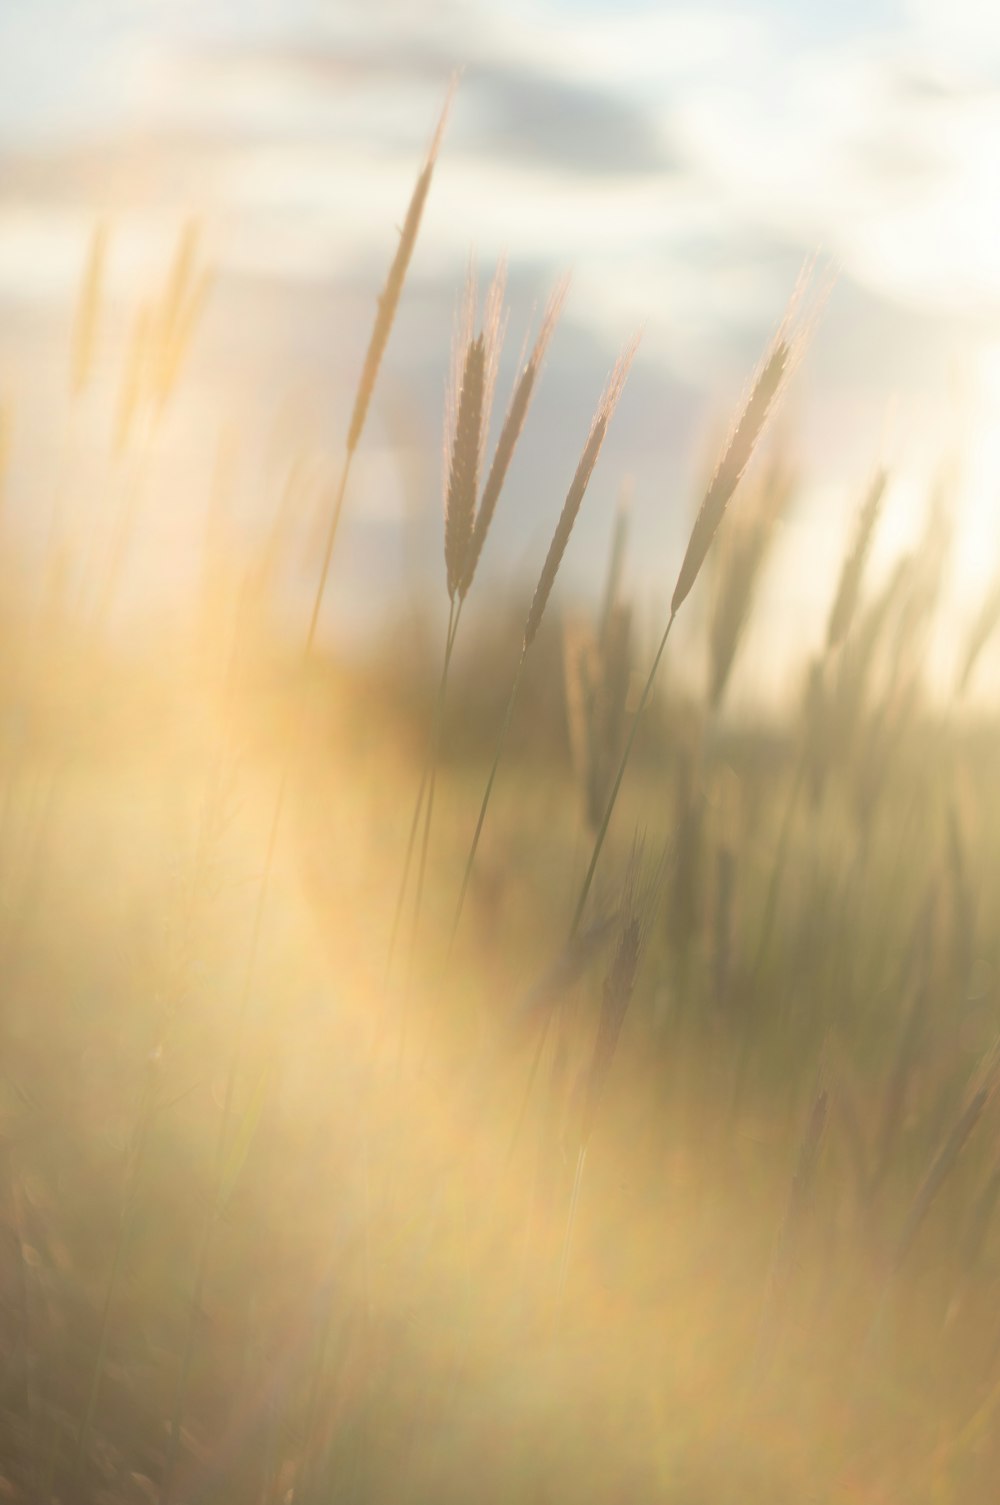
(693, 1201)
(380, 1298)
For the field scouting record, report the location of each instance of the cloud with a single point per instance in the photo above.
(546, 122)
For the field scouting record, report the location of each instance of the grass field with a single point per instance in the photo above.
(655, 1158)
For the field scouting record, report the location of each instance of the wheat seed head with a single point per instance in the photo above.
(392, 289)
(467, 410)
(463, 473)
(510, 433)
(772, 374)
(578, 487)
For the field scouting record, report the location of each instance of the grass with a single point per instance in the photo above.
(670, 1176)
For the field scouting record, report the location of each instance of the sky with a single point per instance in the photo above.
(680, 161)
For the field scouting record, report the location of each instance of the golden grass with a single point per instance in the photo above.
(281, 1228)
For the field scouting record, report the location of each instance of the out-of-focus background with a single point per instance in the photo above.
(679, 161)
(518, 1023)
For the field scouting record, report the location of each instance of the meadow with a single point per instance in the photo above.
(485, 1070)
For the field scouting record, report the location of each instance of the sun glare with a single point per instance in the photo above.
(499, 615)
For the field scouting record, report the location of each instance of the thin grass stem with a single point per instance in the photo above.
(501, 740)
(427, 777)
(602, 832)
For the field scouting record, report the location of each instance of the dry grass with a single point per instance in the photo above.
(280, 1228)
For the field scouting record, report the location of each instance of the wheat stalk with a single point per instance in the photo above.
(576, 492)
(557, 547)
(734, 461)
(475, 359)
(388, 300)
(778, 362)
(513, 424)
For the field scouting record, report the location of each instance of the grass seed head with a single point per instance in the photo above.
(733, 463)
(779, 360)
(463, 479)
(388, 300)
(475, 358)
(575, 495)
(510, 433)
